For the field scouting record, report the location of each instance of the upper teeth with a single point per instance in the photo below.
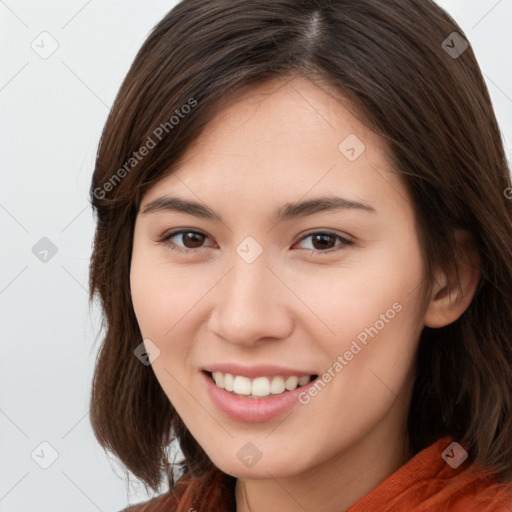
(260, 386)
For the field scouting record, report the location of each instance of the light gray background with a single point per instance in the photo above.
(52, 112)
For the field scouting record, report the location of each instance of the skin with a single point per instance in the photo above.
(278, 143)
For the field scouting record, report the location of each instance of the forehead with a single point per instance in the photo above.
(281, 140)
(292, 109)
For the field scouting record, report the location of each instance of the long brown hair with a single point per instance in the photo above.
(418, 85)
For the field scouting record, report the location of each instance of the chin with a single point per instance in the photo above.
(266, 467)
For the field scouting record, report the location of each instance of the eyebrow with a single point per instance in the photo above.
(286, 212)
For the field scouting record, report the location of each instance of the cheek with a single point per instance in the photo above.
(375, 311)
(368, 290)
(384, 319)
(167, 303)
(160, 306)
(161, 294)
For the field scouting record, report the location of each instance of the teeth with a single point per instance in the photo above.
(291, 383)
(228, 381)
(242, 385)
(277, 385)
(304, 380)
(260, 386)
(219, 379)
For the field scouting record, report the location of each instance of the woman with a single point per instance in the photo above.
(373, 372)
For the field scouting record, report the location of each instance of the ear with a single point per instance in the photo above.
(450, 295)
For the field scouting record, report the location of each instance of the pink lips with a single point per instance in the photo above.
(253, 410)
(252, 372)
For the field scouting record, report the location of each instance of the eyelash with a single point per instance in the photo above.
(165, 240)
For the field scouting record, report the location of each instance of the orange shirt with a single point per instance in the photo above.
(427, 483)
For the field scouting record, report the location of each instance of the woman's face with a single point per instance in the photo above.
(299, 257)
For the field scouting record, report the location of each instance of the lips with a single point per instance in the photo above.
(257, 402)
(261, 370)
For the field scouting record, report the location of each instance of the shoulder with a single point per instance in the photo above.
(433, 481)
(475, 489)
(214, 491)
(163, 503)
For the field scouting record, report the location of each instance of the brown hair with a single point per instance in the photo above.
(391, 59)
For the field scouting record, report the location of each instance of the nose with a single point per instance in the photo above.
(251, 304)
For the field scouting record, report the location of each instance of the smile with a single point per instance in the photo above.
(256, 393)
(259, 387)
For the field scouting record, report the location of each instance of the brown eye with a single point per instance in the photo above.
(325, 242)
(184, 240)
(192, 240)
